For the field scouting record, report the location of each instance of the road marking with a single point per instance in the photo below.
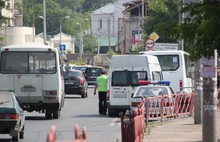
(115, 121)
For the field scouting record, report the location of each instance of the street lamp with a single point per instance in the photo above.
(33, 26)
(66, 17)
(44, 18)
(81, 41)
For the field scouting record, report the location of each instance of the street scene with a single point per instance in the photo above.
(113, 71)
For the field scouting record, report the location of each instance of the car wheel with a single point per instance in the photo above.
(56, 114)
(83, 94)
(16, 138)
(22, 133)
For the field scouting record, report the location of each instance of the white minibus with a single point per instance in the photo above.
(33, 72)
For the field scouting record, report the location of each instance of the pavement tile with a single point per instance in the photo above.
(181, 129)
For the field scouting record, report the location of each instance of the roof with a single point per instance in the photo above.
(105, 41)
(109, 8)
(132, 5)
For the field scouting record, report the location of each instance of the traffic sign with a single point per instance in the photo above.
(154, 36)
(62, 47)
(150, 43)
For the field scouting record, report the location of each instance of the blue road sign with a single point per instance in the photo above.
(62, 47)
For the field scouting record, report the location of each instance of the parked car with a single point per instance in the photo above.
(12, 118)
(91, 73)
(75, 83)
(82, 67)
(71, 67)
(154, 92)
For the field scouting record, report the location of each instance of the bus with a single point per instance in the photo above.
(176, 67)
(33, 72)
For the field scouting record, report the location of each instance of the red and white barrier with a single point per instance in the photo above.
(51, 137)
(173, 105)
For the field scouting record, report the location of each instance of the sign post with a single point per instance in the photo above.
(62, 50)
(149, 44)
(209, 74)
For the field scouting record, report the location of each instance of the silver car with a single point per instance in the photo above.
(154, 94)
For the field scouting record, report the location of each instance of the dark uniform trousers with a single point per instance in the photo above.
(102, 103)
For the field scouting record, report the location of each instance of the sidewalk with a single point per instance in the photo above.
(178, 130)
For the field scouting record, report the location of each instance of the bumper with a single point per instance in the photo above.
(74, 90)
(118, 107)
(7, 126)
(91, 82)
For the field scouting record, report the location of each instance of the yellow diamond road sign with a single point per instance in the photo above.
(154, 36)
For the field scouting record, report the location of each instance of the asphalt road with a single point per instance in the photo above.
(76, 111)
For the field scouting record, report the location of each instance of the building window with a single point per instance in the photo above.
(100, 23)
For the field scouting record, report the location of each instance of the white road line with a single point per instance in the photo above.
(115, 121)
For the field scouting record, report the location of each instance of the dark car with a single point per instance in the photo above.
(75, 83)
(12, 117)
(82, 67)
(91, 73)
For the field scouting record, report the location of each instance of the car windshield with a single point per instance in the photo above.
(80, 68)
(5, 100)
(93, 71)
(151, 91)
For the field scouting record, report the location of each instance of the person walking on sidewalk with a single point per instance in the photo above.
(101, 84)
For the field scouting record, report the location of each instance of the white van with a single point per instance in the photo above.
(124, 73)
(33, 72)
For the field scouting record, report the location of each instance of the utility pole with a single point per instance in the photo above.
(198, 94)
(209, 74)
(109, 35)
(180, 45)
(142, 11)
(44, 15)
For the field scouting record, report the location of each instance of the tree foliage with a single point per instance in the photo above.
(162, 19)
(202, 25)
(56, 11)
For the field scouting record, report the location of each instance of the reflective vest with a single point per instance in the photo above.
(102, 83)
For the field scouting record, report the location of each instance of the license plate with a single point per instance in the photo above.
(28, 89)
(119, 95)
(69, 82)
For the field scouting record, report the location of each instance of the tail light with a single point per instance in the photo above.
(51, 93)
(107, 95)
(9, 116)
(81, 81)
(135, 104)
(181, 84)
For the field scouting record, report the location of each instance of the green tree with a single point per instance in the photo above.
(203, 27)
(89, 44)
(2, 19)
(162, 19)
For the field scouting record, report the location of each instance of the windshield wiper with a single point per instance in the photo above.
(4, 102)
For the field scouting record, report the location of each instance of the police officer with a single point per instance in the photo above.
(101, 84)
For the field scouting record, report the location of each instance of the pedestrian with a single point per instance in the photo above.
(67, 67)
(101, 85)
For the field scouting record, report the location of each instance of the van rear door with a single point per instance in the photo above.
(28, 87)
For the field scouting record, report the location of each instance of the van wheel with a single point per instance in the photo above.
(48, 115)
(56, 114)
(110, 112)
